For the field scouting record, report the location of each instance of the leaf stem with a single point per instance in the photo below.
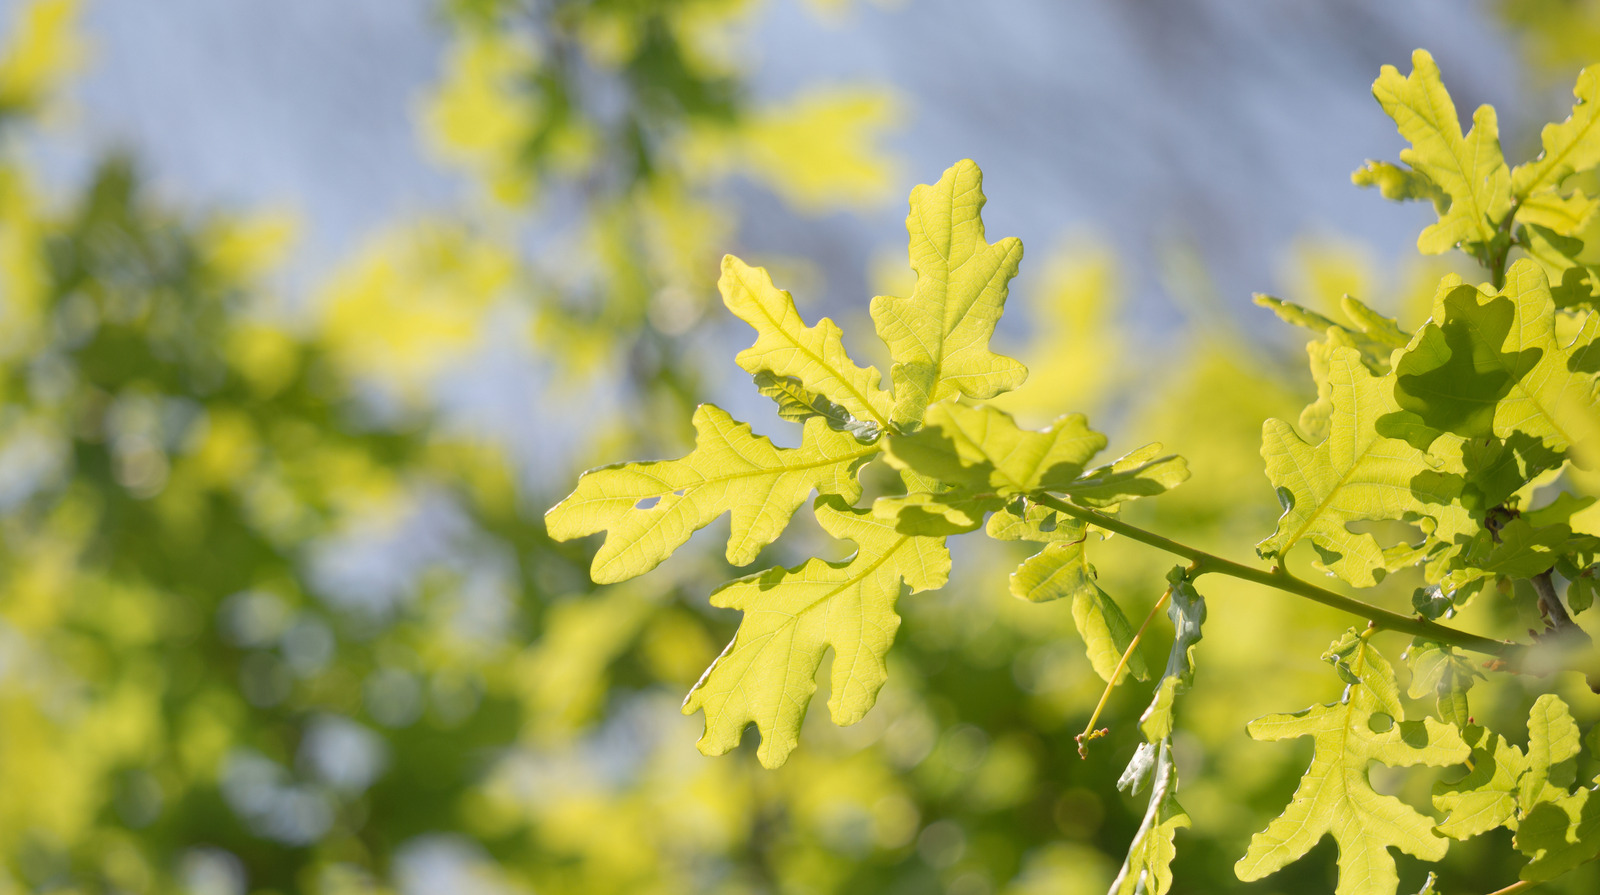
(1089, 732)
(1281, 580)
(1520, 885)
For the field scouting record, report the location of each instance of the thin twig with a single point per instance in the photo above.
(1089, 733)
(1277, 578)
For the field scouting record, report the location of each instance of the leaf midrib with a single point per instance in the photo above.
(794, 618)
(778, 327)
(750, 473)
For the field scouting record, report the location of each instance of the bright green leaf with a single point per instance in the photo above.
(1034, 523)
(1062, 570)
(1144, 472)
(812, 357)
(982, 448)
(1373, 334)
(1487, 796)
(1492, 365)
(1559, 835)
(650, 509)
(1336, 798)
(939, 336)
(1565, 215)
(1573, 282)
(1436, 669)
(1471, 170)
(766, 674)
(1553, 744)
(936, 514)
(1399, 184)
(1382, 330)
(1570, 146)
(1354, 474)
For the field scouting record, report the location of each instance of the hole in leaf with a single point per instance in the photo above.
(1387, 532)
(646, 503)
(1380, 723)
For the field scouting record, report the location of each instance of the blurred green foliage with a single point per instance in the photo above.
(269, 624)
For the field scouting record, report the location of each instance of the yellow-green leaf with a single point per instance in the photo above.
(648, 510)
(1487, 796)
(1553, 744)
(1399, 184)
(1569, 146)
(935, 513)
(1143, 472)
(785, 348)
(1336, 798)
(1491, 363)
(1062, 570)
(792, 616)
(1354, 474)
(1471, 170)
(982, 448)
(939, 336)
(1564, 215)
(1560, 835)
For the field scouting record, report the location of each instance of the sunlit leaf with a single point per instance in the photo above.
(1354, 474)
(1493, 365)
(1062, 570)
(648, 510)
(785, 348)
(982, 448)
(1487, 796)
(939, 335)
(1470, 169)
(1399, 184)
(792, 616)
(1569, 146)
(1336, 798)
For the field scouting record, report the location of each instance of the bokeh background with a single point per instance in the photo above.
(309, 310)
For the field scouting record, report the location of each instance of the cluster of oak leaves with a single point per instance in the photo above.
(1450, 428)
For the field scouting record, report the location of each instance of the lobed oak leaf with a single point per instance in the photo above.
(792, 616)
(1491, 364)
(648, 510)
(1470, 169)
(804, 368)
(1569, 146)
(1354, 474)
(1336, 798)
(939, 335)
